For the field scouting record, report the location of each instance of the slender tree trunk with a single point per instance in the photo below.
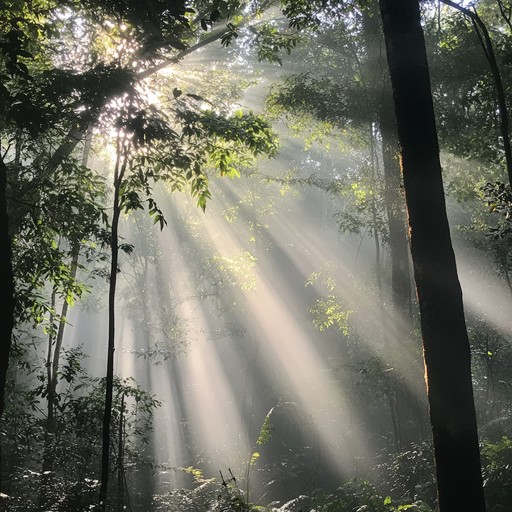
(395, 417)
(120, 169)
(6, 285)
(50, 394)
(7, 290)
(380, 106)
(445, 341)
(47, 465)
(53, 358)
(400, 272)
(120, 465)
(374, 167)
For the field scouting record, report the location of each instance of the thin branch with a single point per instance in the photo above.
(214, 36)
(488, 49)
(174, 60)
(77, 133)
(504, 15)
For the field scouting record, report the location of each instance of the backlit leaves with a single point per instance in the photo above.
(329, 311)
(238, 269)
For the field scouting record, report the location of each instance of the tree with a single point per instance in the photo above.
(6, 284)
(347, 87)
(58, 96)
(445, 339)
(346, 63)
(55, 97)
(175, 147)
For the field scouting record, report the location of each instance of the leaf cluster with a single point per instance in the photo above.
(155, 25)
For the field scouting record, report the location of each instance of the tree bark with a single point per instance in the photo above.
(120, 169)
(6, 287)
(400, 272)
(380, 108)
(445, 341)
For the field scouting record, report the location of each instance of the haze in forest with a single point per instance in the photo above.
(262, 322)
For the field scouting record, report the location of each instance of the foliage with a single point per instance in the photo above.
(302, 14)
(208, 495)
(357, 496)
(266, 430)
(408, 474)
(497, 463)
(313, 94)
(329, 310)
(270, 42)
(491, 365)
(47, 95)
(55, 218)
(51, 90)
(465, 96)
(238, 270)
(74, 449)
(498, 197)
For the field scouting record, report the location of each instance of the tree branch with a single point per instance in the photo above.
(488, 49)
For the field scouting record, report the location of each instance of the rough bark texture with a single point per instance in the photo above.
(6, 286)
(445, 340)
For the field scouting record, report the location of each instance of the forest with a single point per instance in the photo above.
(255, 255)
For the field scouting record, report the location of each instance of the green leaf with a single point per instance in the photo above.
(266, 429)
(254, 457)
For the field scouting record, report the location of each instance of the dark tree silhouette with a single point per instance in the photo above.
(445, 340)
(6, 285)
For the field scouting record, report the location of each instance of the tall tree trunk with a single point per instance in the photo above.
(403, 401)
(53, 355)
(445, 341)
(380, 106)
(6, 286)
(374, 169)
(120, 169)
(400, 272)
(53, 362)
(7, 290)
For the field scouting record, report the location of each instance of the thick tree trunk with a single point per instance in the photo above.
(445, 340)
